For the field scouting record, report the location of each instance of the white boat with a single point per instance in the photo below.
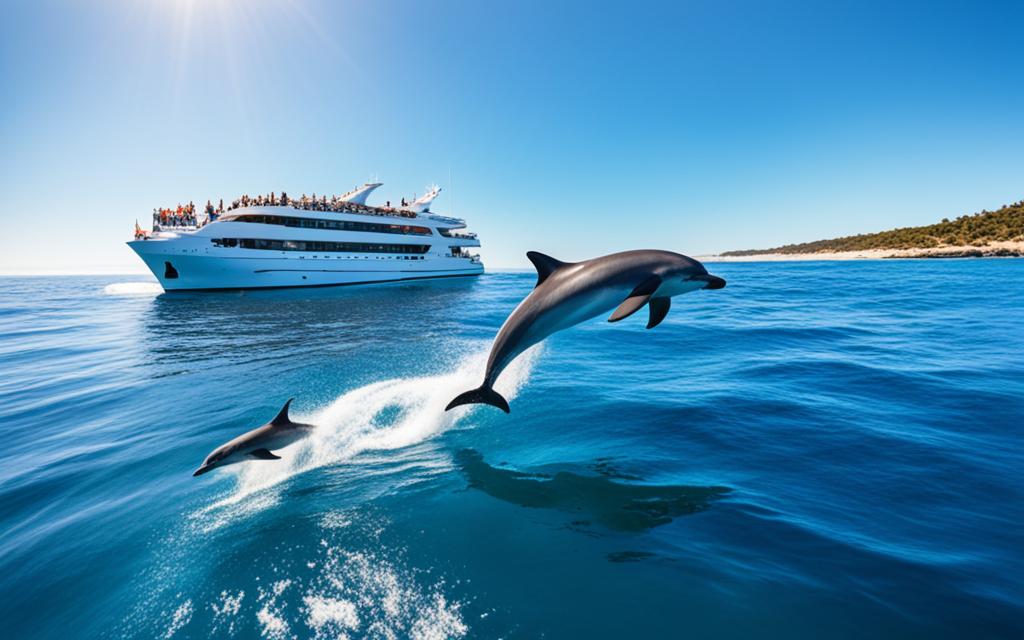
(308, 243)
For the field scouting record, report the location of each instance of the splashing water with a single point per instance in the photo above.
(346, 593)
(133, 289)
(382, 416)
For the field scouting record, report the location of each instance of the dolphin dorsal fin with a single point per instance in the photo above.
(546, 265)
(282, 415)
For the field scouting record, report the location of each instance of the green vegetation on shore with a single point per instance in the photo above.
(978, 230)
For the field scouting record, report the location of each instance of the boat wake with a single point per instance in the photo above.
(382, 416)
(133, 289)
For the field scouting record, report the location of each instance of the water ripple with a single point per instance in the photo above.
(860, 442)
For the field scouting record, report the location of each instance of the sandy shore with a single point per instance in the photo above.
(1013, 248)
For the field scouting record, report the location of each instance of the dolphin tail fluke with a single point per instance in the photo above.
(481, 395)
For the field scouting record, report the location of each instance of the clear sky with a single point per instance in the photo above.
(571, 128)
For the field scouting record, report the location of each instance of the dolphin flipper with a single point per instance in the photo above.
(636, 299)
(481, 395)
(545, 265)
(264, 454)
(659, 309)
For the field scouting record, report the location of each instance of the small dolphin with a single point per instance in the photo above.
(567, 293)
(258, 443)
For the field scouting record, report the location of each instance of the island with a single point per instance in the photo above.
(997, 233)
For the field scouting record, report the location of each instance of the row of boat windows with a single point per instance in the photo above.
(324, 247)
(334, 225)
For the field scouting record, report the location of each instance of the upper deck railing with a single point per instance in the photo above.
(334, 204)
(176, 227)
(187, 218)
(361, 209)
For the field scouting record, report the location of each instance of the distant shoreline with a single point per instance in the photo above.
(1006, 249)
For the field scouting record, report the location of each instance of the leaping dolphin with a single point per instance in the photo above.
(258, 443)
(567, 293)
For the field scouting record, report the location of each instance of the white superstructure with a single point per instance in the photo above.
(303, 244)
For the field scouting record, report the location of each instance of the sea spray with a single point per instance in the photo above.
(382, 416)
(341, 587)
(133, 289)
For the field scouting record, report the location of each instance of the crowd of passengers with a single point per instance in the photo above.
(181, 216)
(185, 215)
(323, 203)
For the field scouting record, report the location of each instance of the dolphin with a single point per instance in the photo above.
(567, 293)
(258, 443)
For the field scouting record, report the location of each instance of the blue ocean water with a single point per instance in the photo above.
(819, 450)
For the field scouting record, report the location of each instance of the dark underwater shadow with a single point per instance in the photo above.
(600, 499)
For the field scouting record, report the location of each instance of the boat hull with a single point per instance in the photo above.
(179, 267)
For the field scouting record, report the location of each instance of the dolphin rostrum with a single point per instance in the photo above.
(258, 443)
(567, 293)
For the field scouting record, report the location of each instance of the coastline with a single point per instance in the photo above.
(1006, 249)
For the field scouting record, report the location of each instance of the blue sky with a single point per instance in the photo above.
(572, 128)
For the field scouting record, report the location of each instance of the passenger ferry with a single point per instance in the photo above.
(308, 243)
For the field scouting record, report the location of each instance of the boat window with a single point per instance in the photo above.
(319, 246)
(334, 225)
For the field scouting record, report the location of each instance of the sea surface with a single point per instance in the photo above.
(819, 450)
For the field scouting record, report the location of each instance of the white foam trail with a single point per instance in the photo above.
(367, 593)
(133, 289)
(181, 617)
(382, 416)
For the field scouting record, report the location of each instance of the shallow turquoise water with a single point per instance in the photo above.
(818, 450)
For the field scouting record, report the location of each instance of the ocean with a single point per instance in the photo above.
(819, 450)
